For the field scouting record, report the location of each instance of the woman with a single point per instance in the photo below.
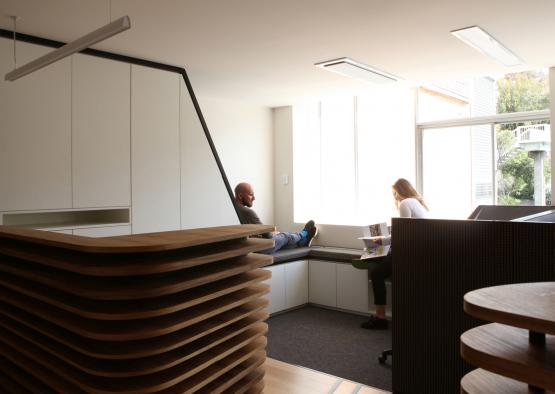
(410, 204)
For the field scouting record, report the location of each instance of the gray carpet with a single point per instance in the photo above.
(331, 342)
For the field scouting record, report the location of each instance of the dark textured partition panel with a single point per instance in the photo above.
(435, 262)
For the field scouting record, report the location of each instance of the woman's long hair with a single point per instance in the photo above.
(404, 189)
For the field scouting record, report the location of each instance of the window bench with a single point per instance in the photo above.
(316, 252)
(319, 275)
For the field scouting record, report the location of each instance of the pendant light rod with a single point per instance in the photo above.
(101, 34)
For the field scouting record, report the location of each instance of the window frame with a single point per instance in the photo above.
(491, 120)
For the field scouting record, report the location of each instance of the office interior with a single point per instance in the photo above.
(122, 144)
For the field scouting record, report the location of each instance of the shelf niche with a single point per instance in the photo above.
(47, 220)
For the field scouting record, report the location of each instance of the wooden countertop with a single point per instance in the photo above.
(525, 305)
(150, 242)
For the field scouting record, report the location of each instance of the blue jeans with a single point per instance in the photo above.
(286, 241)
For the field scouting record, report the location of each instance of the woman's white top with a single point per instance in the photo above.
(411, 208)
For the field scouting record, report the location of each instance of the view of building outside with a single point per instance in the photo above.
(523, 149)
(496, 163)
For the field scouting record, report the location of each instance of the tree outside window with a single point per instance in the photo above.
(521, 147)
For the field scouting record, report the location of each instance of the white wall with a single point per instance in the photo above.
(242, 134)
(283, 167)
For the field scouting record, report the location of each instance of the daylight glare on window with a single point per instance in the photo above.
(348, 151)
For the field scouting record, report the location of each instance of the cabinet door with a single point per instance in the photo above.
(296, 283)
(352, 288)
(108, 231)
(322, 283)
(35, 132)
(204, 198)
(277, 288)
(155, 150)
(101, 132)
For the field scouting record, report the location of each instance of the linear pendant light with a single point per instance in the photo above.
(84, 42)
(482, 41)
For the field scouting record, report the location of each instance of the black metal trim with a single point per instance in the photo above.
(147, 63)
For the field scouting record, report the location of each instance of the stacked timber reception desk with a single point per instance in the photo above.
(516, 354)
(170, 312)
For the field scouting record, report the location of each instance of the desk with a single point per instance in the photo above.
(507, 351)
(178, 311)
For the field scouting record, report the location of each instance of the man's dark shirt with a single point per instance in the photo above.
(250, 217)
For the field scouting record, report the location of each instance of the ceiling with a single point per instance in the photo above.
(263, 51)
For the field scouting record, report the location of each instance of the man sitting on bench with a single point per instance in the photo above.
(244, 197)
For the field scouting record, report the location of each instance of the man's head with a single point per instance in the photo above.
(244, 194)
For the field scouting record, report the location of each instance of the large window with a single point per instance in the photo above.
(476, 141)
(347, 153)
(485, 141)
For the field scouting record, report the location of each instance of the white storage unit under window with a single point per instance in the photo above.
(322, 283)
(352, 288)
(277, 288)
(288, 285)
(296, 283)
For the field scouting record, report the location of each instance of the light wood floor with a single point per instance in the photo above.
(283, 378)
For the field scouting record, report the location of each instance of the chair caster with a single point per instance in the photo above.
(383, 357)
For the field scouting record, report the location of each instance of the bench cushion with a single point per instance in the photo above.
(285, 255)
(318, 252)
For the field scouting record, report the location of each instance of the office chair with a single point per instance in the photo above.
(369, 265)
(383, 357)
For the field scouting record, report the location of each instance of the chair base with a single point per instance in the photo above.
(383, 357)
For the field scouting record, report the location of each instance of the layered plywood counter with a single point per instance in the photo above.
(171, 312)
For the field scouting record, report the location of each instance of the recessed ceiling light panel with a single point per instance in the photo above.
(480, 40)
(350, 68)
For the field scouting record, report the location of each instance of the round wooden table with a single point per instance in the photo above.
(516, 354)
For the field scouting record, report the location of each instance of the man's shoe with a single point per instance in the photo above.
(375, 323)
(311, 230)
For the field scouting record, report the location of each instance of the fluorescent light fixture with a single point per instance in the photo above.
(350, 68)
(86, 41)
(480, 40)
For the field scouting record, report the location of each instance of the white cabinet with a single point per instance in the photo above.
(108, 231)
(201, 181)
(352, 288)
(101, 132)
(288, 285)
(296, 283)
(322, 283)
(155, 150)
(277, 288)
(35, 132)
